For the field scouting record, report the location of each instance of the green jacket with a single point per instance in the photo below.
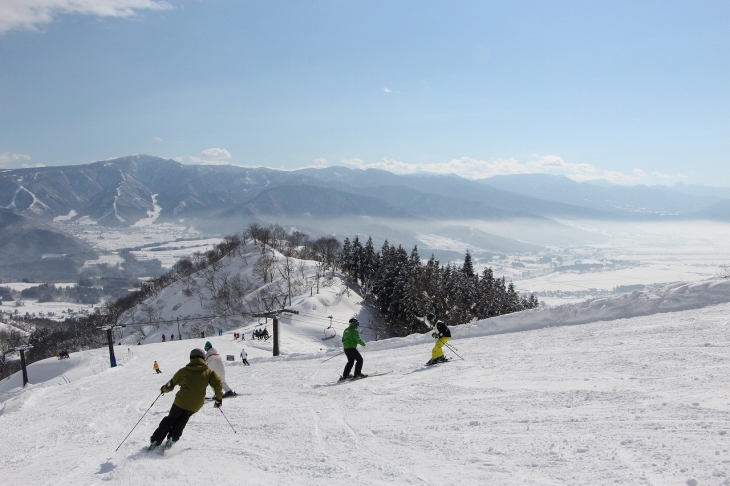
(194, 380)
(351, 338)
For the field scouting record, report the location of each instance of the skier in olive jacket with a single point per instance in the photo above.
(350, 340)
(193, 380)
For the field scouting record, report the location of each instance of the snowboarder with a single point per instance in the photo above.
(202, 334)
(442, 335)
(172, 337)
(193, 379)
(215, 363)
(244, 356)
(156, 368)
(350, 340)
(163, 338)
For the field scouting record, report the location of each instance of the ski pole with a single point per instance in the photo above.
(451, 348)
(135, 425)
(333, 356)
(229, 422)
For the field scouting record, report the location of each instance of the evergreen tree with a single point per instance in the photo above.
(356, 268)
(346, 256)
(468, 268)
(404, 290)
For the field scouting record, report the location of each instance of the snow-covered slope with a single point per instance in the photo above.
(639, 400)
(189, 301)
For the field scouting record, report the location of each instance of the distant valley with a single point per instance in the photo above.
(43, 208)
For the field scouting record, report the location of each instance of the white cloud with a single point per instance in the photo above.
(177, 159)
(668, 176)
(386, 90)
(212, 156)
(320, 162)
(158, 139)
(391, 165)
(541, 164)
(33, 14)
(8, 159)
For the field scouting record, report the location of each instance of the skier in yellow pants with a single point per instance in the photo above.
(442, 335)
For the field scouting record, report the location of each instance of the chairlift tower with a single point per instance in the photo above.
(22, 349)
(275, 317)
(109, 329)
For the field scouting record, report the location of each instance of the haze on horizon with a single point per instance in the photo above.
(631, 92)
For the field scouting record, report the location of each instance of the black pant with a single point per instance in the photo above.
(172, 426)
(352, 355)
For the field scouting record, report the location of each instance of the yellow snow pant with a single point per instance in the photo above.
(438, 351)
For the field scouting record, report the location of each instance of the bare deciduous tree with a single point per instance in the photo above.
(724, 271)
(265, 267)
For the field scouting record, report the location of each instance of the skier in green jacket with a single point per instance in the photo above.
(350, 340)
(193, 380)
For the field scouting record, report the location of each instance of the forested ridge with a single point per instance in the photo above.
(404, 289)
(400, 286)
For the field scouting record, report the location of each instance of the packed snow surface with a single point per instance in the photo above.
(629, 397)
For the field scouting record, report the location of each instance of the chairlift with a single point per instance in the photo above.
(330, 332)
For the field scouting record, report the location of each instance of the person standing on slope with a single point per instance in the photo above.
(156, 367)
(442, 335)
(193, 380)
(215, 363)
(350, 340)
(244, 357)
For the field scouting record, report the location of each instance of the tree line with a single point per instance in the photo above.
(404, 289)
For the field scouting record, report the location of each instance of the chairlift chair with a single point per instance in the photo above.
(329, 332)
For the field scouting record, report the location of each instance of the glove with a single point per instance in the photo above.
(162, 389)
(435, 335)
(217, 404)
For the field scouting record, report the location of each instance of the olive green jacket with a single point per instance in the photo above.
(193, 381)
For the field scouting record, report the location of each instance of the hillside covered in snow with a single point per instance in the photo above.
(635, 394)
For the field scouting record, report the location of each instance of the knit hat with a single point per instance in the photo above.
(355, 322)
(208, 345)
(197, 353)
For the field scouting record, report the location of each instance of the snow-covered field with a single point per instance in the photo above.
(648, 254)
(52, 310)
(169, 253)
(638, 400)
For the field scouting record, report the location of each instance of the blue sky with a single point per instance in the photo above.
(635, 92)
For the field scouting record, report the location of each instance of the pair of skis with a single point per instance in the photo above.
(371, 375)
(160, 449)
(446, 360)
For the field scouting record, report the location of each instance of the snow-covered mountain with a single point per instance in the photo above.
(628, 389)
(36, 250)
(120, 192)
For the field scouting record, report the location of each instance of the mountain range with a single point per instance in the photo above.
(120, 192)
(337, 200)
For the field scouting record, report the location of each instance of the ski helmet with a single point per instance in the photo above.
(208, 345)
(354, 322)
(197, 353)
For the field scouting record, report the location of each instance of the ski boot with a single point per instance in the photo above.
(361, 375)
(229, 393)
(154, 445)
(343, 378)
